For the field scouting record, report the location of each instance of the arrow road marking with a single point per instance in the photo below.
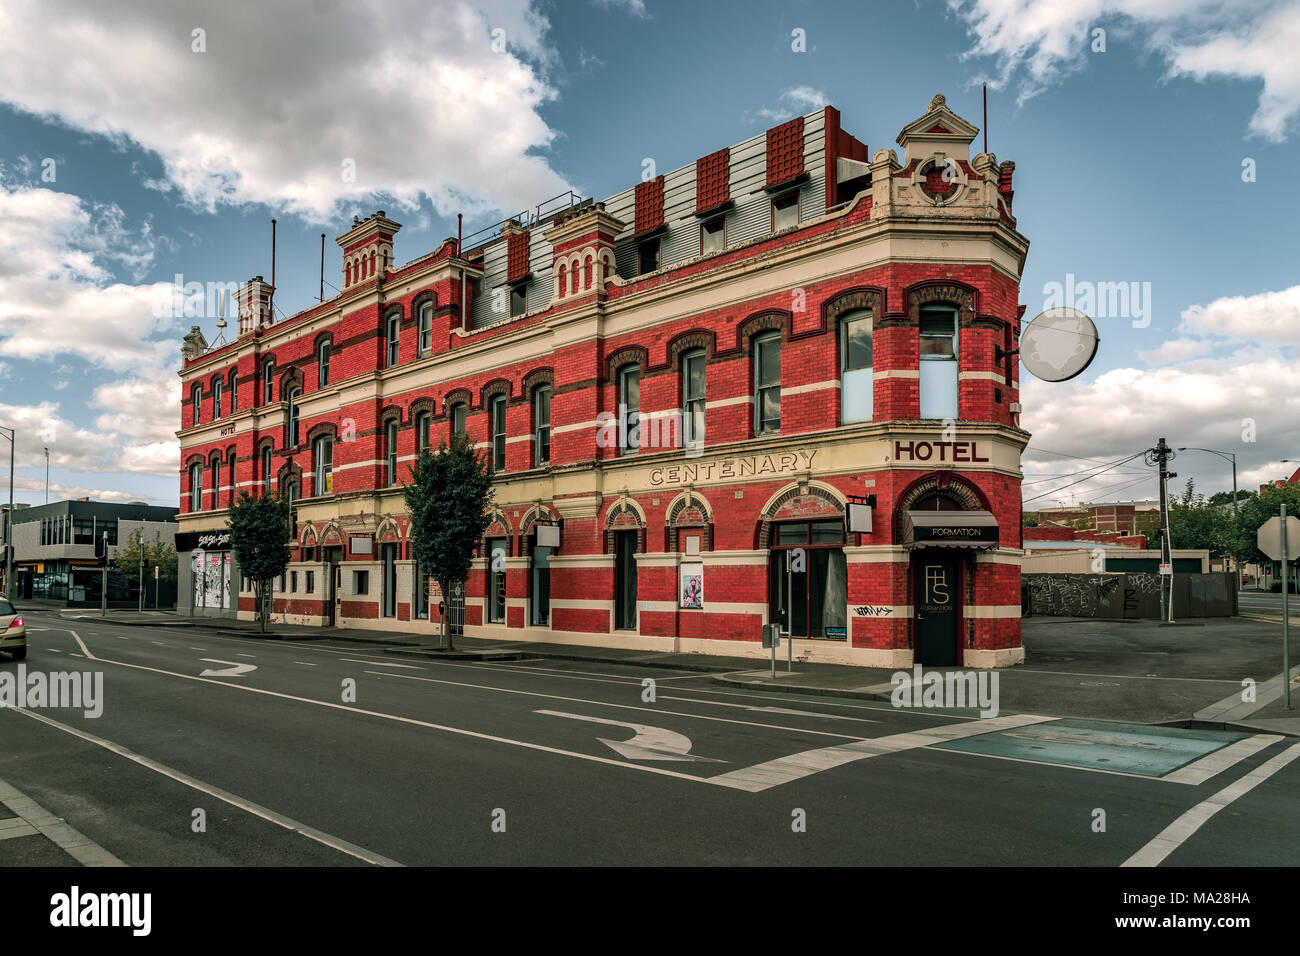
(650, 743)
(235, 669)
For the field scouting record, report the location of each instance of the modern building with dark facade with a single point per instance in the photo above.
(54, 547)
(777, 384)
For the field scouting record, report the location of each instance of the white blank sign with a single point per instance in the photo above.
(548, 536)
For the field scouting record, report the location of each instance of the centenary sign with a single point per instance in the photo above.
(724, 469)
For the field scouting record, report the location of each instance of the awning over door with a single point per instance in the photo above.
(950, 529)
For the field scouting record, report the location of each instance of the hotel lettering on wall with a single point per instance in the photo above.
(959, 452)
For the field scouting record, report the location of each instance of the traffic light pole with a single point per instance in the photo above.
(103, 579)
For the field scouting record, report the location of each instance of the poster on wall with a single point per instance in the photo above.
(196, 575)
(692, 586)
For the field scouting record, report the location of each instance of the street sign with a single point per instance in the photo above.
(1269, 538)
(1166, 569)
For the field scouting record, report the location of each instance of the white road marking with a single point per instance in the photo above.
(160, 643)
(254, 656)
(54, 650)
(234, 670)
(198, 648)
(1202, 770)
(1198, 680)
(333, 842)
(305, 664)
(39, 820)
(650, 743)
(73, 654)
(1178, 832)
(409, 667)
(773, 773)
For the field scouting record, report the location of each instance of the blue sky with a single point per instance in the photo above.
(168, 160)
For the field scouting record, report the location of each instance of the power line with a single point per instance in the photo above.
(1085, 478)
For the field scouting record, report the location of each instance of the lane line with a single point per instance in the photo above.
(288, 823)
(409, 667)
(305, 663)
(1178, 832)
(72, 842)
(1202, 770)
(783, 770)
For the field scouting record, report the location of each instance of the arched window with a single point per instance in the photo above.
(324, 457)
(629, 409)
(459, 418)
(347, 278)
(196, 487)
(693, 398)
(586, 274)
(216, 479)
(196, 400)
(856, 373)
(426, 327)
(564, 274)
(938, 361)
(294, 392)
(323, 360)
(767, 383)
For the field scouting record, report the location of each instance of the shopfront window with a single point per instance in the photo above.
(808, 579)
(496, 574)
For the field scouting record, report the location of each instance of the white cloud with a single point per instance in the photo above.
(1271, 316)
(634, 7)
(62, 492)
(1041, 41)
(793, 101)
(1175, 350)
(412, 92)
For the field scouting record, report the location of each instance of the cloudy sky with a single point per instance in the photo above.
(142, 141)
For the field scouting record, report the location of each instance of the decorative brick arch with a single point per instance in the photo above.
(331, 536)
(538, 376)
(941, 291)
(688, 511)
(766, 321)
(390, 413)
(964, 494)
(322, 430)
(309, 538)
(863, 298)
(498, 527)
(808, 500)
(691, 341)
(538, 512)
(457, 396)
(629, 355)
(426, 404)
(388, 532)
(498, 386)
(624, 515)
(290, 377)
(289, 472)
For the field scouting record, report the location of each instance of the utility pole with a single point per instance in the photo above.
(9, 522)
(103, 578)
(1161, 455)
(142, 570)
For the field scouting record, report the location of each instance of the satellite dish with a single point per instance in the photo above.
(1058, 344)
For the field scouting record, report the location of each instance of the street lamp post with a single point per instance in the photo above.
(9, 522)
(1232, 457)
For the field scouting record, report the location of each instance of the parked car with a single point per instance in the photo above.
(13, 633)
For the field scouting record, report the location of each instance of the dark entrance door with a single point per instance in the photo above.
(625, 580)
(936, 589)
(456, 610)
(332, 558)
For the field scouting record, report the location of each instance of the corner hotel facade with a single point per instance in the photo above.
(685, 391)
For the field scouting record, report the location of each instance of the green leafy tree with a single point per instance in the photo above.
(157, 552)
(260, 532)
(1196, 523)
(1029, 519)
(1254, 511)
(448, 498)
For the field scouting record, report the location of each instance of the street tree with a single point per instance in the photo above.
(1257, 509)
(260, 532)
(157, 552)
(1196, 523)
(448, 498)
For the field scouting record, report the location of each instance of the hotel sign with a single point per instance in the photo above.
(938, 451)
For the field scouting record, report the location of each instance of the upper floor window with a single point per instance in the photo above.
(785, 210)
(423, 428)
(196, 487)
(294, 392)
(648, 256)
(217, 388)
(767, 383)
(693, 398)
(498, 410)
(390, 451)
(266, 468)
(856, 375)
(268, 381)
(938, 361)
(713, 235)
(323, 361)
(426, 327)
(324, 454)
(519, 299)
(291, 490)
(391, 332)
(542, 425)
(629, 409)
(234, 391)
(196, 400)
(459, 418)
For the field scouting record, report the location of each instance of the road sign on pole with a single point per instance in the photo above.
(1273, 539)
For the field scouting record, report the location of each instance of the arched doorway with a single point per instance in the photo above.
(807, 572)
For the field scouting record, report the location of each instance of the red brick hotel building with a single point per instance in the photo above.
(777, 384)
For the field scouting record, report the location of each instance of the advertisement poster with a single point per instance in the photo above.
(692, 585)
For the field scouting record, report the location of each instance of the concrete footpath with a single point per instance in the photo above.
(1185, 674)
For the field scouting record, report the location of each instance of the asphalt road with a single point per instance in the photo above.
(505, 763)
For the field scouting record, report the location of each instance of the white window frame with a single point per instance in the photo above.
(497, 427)
(323, 362)
(541, 430)
(760, 341)
(629, 443)
(425, 340)
(323, 455)
(862, 315)
(689, 436)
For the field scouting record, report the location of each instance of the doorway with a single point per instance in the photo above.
(333, 592)
(936, 584)
(625, 580)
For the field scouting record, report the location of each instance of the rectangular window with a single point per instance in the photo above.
(542, 425)
(390, 451)
(785, 211)
(391, 336)
(629, 409)
(518, 299)
(196, 399)
(268, 382)
(360, 582)
(423, 427)
(426, 328)
(324, 466)
(390, 580)
(648, 256)
(293, 582)
(541, 602)
(496, 580)
(217, 389)
(499, 433)
(311, 582)
(323, 357)
(713, 235)
(938, 361)
(767, 383)
(459, 416)
(856, 374)
(693, 398)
